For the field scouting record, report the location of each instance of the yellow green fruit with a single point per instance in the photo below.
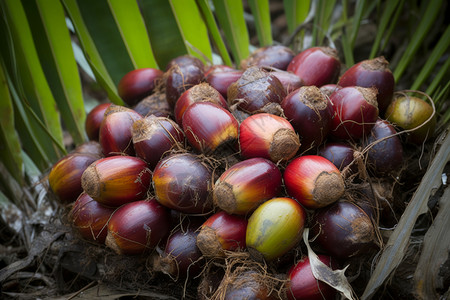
(274, 228)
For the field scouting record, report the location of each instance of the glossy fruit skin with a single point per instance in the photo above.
(329, 89)
(179, 78)
(155, 104)
(65, 176)
(256, 91)
(94, 119)
(137, 227)
(303, 285)
(202, 92)
(222, 231)
(90, 218)
(183, 182)
(384, 157)
(247, 184)
(313, 181)
(355, 112)
(268, 136)
(274, 228)
(181, 257)
(115, 130)
(316, 66)
(409, 112)
(288, 80)
(185, 60)
(137, 84)
(221, 77)
(154, 136)
(309, 112)
(372, 73)
(275, 56)
(208, 127)
(344, 224)
(117, 180)
(340, 154)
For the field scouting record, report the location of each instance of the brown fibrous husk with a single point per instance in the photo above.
(328, 188)
(208, 243)
(284, 145)
(224, 197)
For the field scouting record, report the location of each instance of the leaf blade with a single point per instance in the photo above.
(68, 93)
(231, 18)
(192, 28)
(132, 29)
(260, 10)
(91, 52)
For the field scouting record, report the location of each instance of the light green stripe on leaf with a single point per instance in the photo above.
(427, 21)
(214, 30)
(167, 42)
(10, 147)
(91, 52)
(440, 78)
(34, 89)
(192, 28)
(385, 21)
(132, 29)
(61, 68)
(296, 12)
(261, 13)
(440, 48)
(230, 14)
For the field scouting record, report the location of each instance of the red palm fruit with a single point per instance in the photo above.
(340, 154)
(179, 78)
(316, 66)
(343, 230)
(154, 136)
(247, 184)
(409, 112)
(274, 228)
(355, 112)
(221, 77)
(256, 91)
(372, 73)
(303, 285)
(288, 80)
(90, 218)
(65, 176)
(138, 84)
(115, 130)
(185, 60)
(309, 112)
(202, 92)
(209, 127)
(220, 232)
(276, 56)
(155, 104)
(93, 120)
(386, 154)
(117, 180)
(329, 89)
(181, 257)
(313, 181)
(183, 182)
(268, 136)
(137, 227)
